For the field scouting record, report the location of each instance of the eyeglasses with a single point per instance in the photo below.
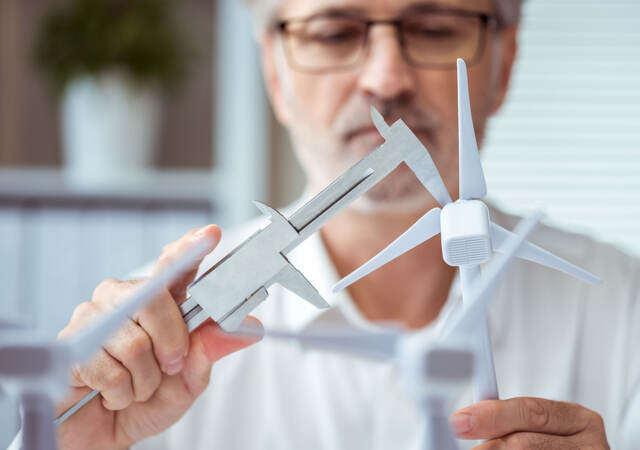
(431, 39)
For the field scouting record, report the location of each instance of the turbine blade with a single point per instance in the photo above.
(426, 171)
(482, 289)
(425, 228)
(472, 183)
(89, 340)
(375, 345)
(293, 280)
(531, 252)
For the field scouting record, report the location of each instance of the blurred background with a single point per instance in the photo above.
(86, 194)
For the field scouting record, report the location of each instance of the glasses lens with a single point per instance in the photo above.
(325, 43)
(437, 39)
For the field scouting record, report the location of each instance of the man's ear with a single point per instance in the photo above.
(273, 83)
(509, 45)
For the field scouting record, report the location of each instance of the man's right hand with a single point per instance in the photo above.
(151, 371)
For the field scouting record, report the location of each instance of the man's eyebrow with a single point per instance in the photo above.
(334, 11)
(355, 11)
(427, 6)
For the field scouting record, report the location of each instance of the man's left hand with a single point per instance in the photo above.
(530, 423)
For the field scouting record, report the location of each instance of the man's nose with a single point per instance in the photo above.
(386, 73)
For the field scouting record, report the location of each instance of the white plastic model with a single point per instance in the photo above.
(434, 366)
(468, 236)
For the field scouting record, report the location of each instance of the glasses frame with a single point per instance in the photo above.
(487, 21)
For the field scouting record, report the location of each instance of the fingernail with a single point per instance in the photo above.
(462, 422)
(175, 366)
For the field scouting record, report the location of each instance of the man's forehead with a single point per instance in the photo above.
(375, 8)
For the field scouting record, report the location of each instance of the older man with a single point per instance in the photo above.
(556, 340)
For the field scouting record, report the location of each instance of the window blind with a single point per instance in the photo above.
(568, 138)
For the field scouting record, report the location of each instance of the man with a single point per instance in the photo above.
(325, 64)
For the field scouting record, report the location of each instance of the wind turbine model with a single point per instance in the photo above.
(434, 367)
(36, 370)
(468, 236)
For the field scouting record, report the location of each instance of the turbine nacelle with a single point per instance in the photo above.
(35, 366)
(433, 368)
(465, 232)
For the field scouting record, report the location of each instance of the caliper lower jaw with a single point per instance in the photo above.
(233, 320)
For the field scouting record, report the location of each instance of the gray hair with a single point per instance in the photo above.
(263, 12)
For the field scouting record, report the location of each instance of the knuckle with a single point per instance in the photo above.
(146, 390)
(168, 249)
(139, 345)
(534, 413)
(117, 380)
(83, 310)
(156, 306)
(80, 315)
(492, 413)
(143, 394)
(104, 287)
(117, 402)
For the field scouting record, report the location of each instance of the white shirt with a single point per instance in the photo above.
(553, 337)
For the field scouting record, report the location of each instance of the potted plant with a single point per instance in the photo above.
(110, 60)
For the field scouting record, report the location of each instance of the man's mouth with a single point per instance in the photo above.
(363, 140)
(369, 138)
(362, 132)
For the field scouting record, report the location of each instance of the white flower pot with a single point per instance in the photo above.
(109, 129)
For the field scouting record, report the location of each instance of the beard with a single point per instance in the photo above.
(326, 155)
(400, 191)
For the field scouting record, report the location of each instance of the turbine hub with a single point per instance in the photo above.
(465, 233)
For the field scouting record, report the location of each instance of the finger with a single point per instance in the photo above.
(177, 393)
(132, 347)
(208, 345)
(105, 374)
(495, 418)
(533, 441)
(174, 250)
(163, 322)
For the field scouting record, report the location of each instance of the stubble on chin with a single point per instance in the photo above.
(325, 154)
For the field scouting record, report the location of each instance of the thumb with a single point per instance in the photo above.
(170, 253)
(209, 343)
